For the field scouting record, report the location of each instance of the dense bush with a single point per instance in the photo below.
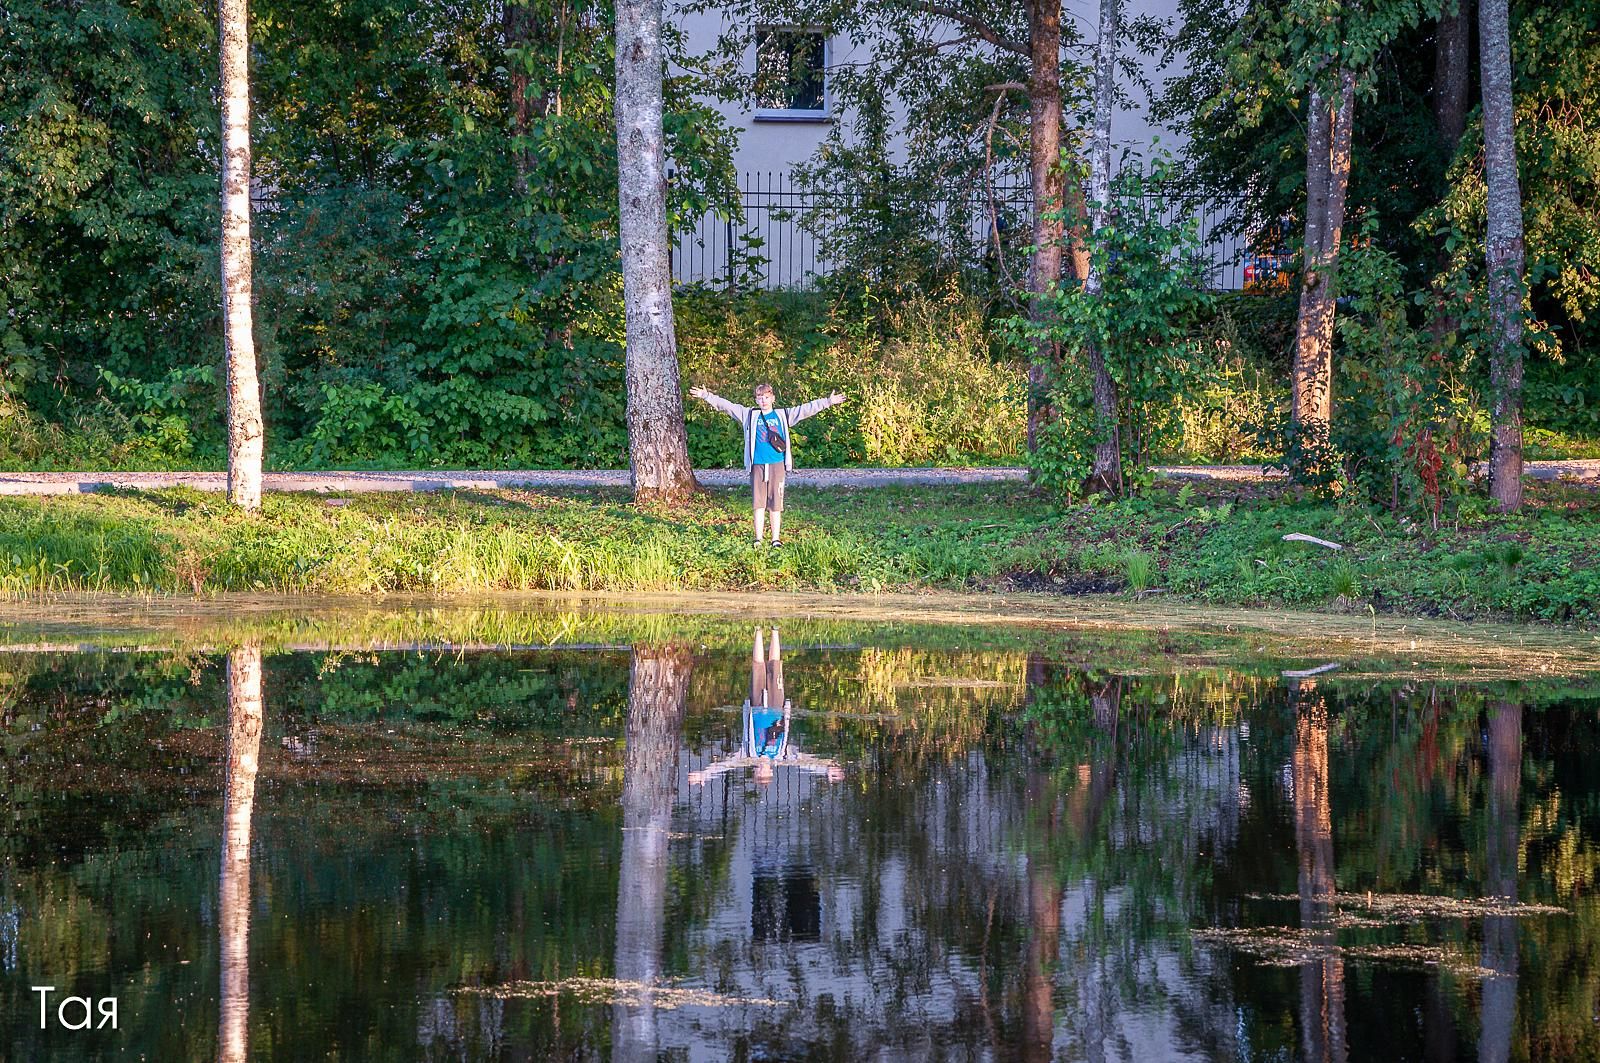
(1142, 322)
(925, 389)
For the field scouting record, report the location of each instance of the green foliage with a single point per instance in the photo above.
(1556, 88)
(923, 386)
(1140, 570)
(108, 186)
(1141, 323)
(1405, 426)
(1241, 380)
(435, 265)
(1241, 101)
(161, 414)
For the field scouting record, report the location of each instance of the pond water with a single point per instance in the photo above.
(862, 844)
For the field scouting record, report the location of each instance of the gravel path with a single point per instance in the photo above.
(72, 483)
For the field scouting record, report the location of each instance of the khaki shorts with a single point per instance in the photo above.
(766, 486)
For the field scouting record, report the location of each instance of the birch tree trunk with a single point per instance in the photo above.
(1328, 130)
(658, 447)
(245, 434)
(1048, 181)
(1504, 254)
(245, 713)
(1106, 475)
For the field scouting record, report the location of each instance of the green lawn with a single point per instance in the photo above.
(1219, 545)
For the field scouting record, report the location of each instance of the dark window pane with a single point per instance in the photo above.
(789, 70)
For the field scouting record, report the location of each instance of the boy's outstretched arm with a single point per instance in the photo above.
(815, 406)
(717, 402)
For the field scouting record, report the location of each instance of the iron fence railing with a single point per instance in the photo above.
(785, 238)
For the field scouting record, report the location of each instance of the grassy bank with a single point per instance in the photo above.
(1221, 546)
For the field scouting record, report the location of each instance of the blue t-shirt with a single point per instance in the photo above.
(767, 732)
(766, 453)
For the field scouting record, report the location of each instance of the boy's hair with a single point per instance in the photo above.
(765, 389)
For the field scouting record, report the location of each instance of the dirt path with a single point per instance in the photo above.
(72, 483)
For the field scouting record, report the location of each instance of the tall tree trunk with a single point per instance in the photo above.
(1328, 131)
(1322, 1012)
(657, 685)
(517, 26)
(233, 920)
(245, 434)
(1451, 84)
(658, 447)
(1106, 475)
(1451, 81)
(1504, 253)
(1500, 931)
(1048, 180)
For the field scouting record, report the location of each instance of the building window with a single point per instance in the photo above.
(790, 85)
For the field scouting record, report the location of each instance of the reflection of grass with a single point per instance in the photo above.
(1283, 946)
(1542, 564)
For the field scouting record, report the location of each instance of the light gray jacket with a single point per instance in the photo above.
(787, 416)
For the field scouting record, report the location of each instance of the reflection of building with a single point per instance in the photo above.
(873, 927)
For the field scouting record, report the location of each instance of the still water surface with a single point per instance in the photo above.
(879, 851)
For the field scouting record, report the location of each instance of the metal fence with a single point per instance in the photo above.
(783, 238)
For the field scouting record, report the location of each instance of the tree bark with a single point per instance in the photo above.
(1328, 132)
(1076, 264)
(245, 714)
(517, 29)
(1106, 474)
(658, 447)
(245, 434)
(1451, 82)
(657, 686)
(1048, 181)
(1451, 66)
(1503, 251)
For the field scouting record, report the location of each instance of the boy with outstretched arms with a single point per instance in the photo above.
(768, 446)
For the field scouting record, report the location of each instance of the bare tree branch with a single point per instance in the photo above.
(982, 29)
(999, 91)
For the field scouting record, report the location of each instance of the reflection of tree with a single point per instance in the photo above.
(656, 687)
(1044, 910)
(1322, 1022)
(1038, 1006)
(1069, 812)
(1500, 931)
(244, 746)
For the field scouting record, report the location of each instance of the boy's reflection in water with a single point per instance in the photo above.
(768, 741)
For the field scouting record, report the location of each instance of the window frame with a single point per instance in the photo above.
(794, 114)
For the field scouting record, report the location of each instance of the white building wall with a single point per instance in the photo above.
(769, 150)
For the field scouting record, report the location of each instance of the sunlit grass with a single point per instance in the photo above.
(1542, 564)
